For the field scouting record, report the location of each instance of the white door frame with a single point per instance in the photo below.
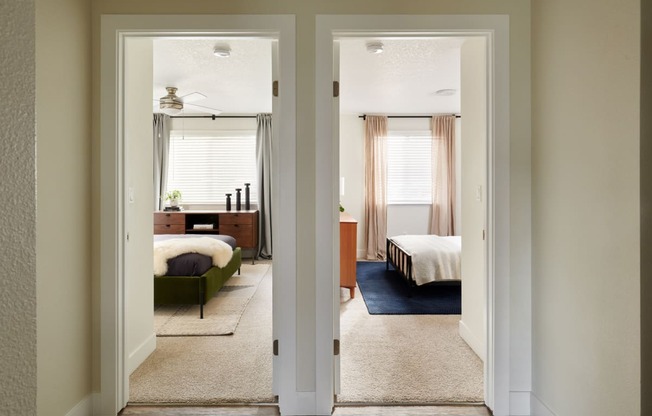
(114, 30)
(495, 28)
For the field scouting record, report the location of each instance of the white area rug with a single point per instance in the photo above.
(221, 314)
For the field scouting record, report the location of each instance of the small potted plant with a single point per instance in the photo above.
(174, 196)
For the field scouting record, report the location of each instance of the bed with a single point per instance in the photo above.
(423, 259)
(190, 269)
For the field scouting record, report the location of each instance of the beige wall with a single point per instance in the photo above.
(585, 67)
(585, 164)
(63, 188)
(474, 196)
(305, 12)
(18, 220)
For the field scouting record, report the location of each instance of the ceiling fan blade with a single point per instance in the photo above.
(193, 96)
(202, 109)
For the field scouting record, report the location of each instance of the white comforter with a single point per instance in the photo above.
(219, 251)
(434, 258)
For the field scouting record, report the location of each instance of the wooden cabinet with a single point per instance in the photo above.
(241, 225)
(169, 223)
(348, 252)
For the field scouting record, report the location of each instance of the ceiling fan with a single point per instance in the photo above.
(171, 104)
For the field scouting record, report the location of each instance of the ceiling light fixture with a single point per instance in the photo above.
(446, 92)
(170, 104)
(375, 47)
(222, 51)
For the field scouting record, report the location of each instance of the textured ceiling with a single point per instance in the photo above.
(401, 80)
(239, 84)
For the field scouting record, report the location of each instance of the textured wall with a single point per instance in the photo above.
(64, 340)
(585, 168)
(18, 218)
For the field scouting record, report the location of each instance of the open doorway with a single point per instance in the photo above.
(118, 226)
(423, 344)
(208, 95)
(495, 30)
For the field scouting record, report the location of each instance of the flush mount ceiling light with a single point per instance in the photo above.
(445, 92)
(222, 51)
(375, 47)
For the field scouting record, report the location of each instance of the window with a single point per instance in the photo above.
(206, 165)
(409, 167)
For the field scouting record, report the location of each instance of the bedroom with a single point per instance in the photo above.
(409, 81)
(355, 123)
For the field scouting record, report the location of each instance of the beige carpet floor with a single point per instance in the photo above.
(210, 370)
(221, 314)
(384, 358)
(404, 358)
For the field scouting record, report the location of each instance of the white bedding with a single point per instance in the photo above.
(219, 251)
(434, 258)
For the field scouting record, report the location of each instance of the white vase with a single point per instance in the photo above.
(174, 202)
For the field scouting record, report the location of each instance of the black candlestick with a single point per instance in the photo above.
(247, 201)
(238, 203)
(228, 202)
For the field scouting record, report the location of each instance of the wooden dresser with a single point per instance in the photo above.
(348, 252)
(241, 225)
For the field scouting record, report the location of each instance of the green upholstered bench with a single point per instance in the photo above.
(195, 290)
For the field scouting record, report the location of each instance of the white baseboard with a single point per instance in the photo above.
(143, 351)
(472, 340)
(519, 403)
(538, 408)
(83, 408)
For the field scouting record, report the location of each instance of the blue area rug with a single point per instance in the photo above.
(385, 292)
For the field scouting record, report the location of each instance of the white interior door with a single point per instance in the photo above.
(336, 250)
(276, 373)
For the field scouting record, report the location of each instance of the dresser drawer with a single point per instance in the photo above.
(243, 234)
(169, 228)
(165, 218)
(236, 219)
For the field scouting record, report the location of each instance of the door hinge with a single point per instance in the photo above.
(336, 347)
(336, 89)
(275, 347)
(275, 88)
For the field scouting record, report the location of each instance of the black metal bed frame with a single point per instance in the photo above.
(401, 261)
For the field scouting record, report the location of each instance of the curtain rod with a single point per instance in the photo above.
(364, 116)
(214, 117)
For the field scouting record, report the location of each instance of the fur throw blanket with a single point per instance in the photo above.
(219, 251)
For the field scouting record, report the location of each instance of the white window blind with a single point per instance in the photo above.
(206, 165)
(409, 167)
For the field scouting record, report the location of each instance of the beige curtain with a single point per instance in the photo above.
(443, 175)
(375, 203)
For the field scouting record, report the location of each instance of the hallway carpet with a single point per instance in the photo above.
(405, 358)
(211, 370)
(384, 359)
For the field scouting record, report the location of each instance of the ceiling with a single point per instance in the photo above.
(239, 84)
(401, 80)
